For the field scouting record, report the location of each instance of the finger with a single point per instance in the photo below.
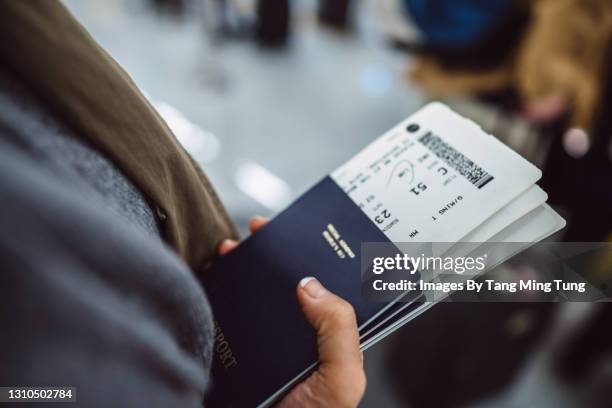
(226, 246)
(256, 223)
(333, 318)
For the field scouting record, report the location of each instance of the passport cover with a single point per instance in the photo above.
(262, 340)
(424, 178)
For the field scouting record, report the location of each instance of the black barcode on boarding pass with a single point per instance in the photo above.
(467, 168)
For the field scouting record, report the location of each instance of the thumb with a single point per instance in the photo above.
(334, 320)
(340, 374)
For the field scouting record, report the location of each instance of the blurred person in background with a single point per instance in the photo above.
(271, 25)
(107, 224)
(544, 62)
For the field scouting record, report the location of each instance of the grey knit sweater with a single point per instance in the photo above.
(90, 296)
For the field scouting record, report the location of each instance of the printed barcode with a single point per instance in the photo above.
(466, 167)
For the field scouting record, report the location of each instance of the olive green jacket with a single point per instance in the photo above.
(53, 55)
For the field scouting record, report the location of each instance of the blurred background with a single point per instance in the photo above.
(271, 95)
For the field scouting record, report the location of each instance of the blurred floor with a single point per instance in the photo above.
(278, 120)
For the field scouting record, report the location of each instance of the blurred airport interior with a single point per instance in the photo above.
(271, 95)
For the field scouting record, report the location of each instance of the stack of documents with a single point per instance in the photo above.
(436, 178)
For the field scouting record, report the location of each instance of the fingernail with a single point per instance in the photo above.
(313, 287)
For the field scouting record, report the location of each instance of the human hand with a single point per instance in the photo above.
(340, 379)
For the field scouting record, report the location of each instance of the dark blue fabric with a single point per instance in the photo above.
(456, 23)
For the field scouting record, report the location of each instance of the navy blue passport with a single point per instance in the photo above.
(263, 343)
